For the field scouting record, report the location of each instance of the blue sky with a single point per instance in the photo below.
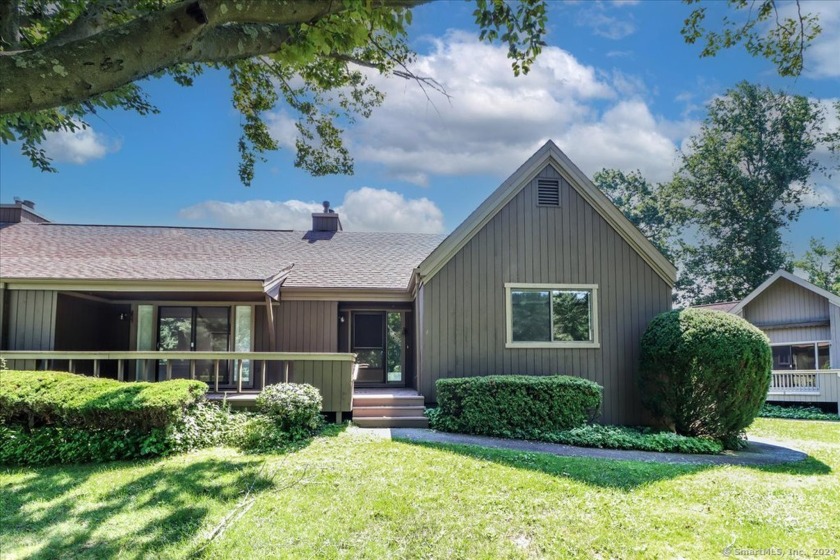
(617, 87)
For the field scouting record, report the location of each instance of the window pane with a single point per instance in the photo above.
(368, 330)
(530, 316)
(243, 338)
(571, 315)
(372, 358)
(823, 361)
(394, 327)
(145, 339)
(782, 357)
(803, 356)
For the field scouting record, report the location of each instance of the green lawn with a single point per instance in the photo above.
(348, 496)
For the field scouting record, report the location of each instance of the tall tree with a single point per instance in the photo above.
(822, 265)
(62, 60)
(649, 207)
(743, 179)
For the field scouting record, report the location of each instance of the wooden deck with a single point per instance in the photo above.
(805, 386)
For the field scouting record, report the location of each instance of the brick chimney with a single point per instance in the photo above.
(326, 220)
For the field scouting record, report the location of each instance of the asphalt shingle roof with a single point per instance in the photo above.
(321, 259)
(726, 306)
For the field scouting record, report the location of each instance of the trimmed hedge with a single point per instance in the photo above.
(704, 373)
(67, 444)
(515, 405)
(44, 398)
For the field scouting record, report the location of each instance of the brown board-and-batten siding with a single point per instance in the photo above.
(29, 322)
(301, 326)
(464, 307)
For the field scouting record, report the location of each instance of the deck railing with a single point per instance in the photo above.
(795, 382)
(331, 373)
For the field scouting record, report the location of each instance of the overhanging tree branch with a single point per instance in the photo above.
(70, 72)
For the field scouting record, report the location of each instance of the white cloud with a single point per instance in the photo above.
(494, 121)
(282, 128)
(259, 214)
(365, 209)
(77, 147)
(827, 184)
(596, 18)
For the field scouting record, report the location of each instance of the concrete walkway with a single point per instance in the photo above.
(758, 452)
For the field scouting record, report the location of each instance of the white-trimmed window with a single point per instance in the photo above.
(801, 355)
(552, 315)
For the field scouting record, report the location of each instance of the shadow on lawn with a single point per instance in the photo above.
(607, 473)
(165, 504)
(176, 488)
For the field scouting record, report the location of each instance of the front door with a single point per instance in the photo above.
(378, 338)
(368, 343)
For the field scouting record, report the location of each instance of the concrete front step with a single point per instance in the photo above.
(383, 411)
(391, 421)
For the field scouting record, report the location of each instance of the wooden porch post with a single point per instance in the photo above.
(272, 330)
(120, 373)
(262, 372)
(216, 374)
(238, 376)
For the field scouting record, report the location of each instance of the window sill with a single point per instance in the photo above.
(554, 345)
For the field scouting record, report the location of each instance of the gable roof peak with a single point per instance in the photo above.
(548, 154)
(789, 276)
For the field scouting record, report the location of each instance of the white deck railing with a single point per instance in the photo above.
(789, 382)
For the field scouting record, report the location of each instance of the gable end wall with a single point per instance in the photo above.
(463, 305)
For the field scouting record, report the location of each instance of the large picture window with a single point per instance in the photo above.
(801, 356)
(552, 315)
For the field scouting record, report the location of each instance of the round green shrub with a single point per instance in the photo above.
(704, 373)
(295, 408)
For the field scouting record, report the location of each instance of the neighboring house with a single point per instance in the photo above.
(546, 277)
(802, 322)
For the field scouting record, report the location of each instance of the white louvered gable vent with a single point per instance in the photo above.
(548, 192)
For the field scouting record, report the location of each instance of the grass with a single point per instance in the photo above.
(351, 496)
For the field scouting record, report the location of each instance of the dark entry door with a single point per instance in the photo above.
(368, 334)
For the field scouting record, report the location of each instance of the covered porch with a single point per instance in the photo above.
(333, 374)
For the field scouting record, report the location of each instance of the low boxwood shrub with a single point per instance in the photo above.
(515, 405)
(704, 373)
(47, 398)
(295, 408)
(797, 413)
